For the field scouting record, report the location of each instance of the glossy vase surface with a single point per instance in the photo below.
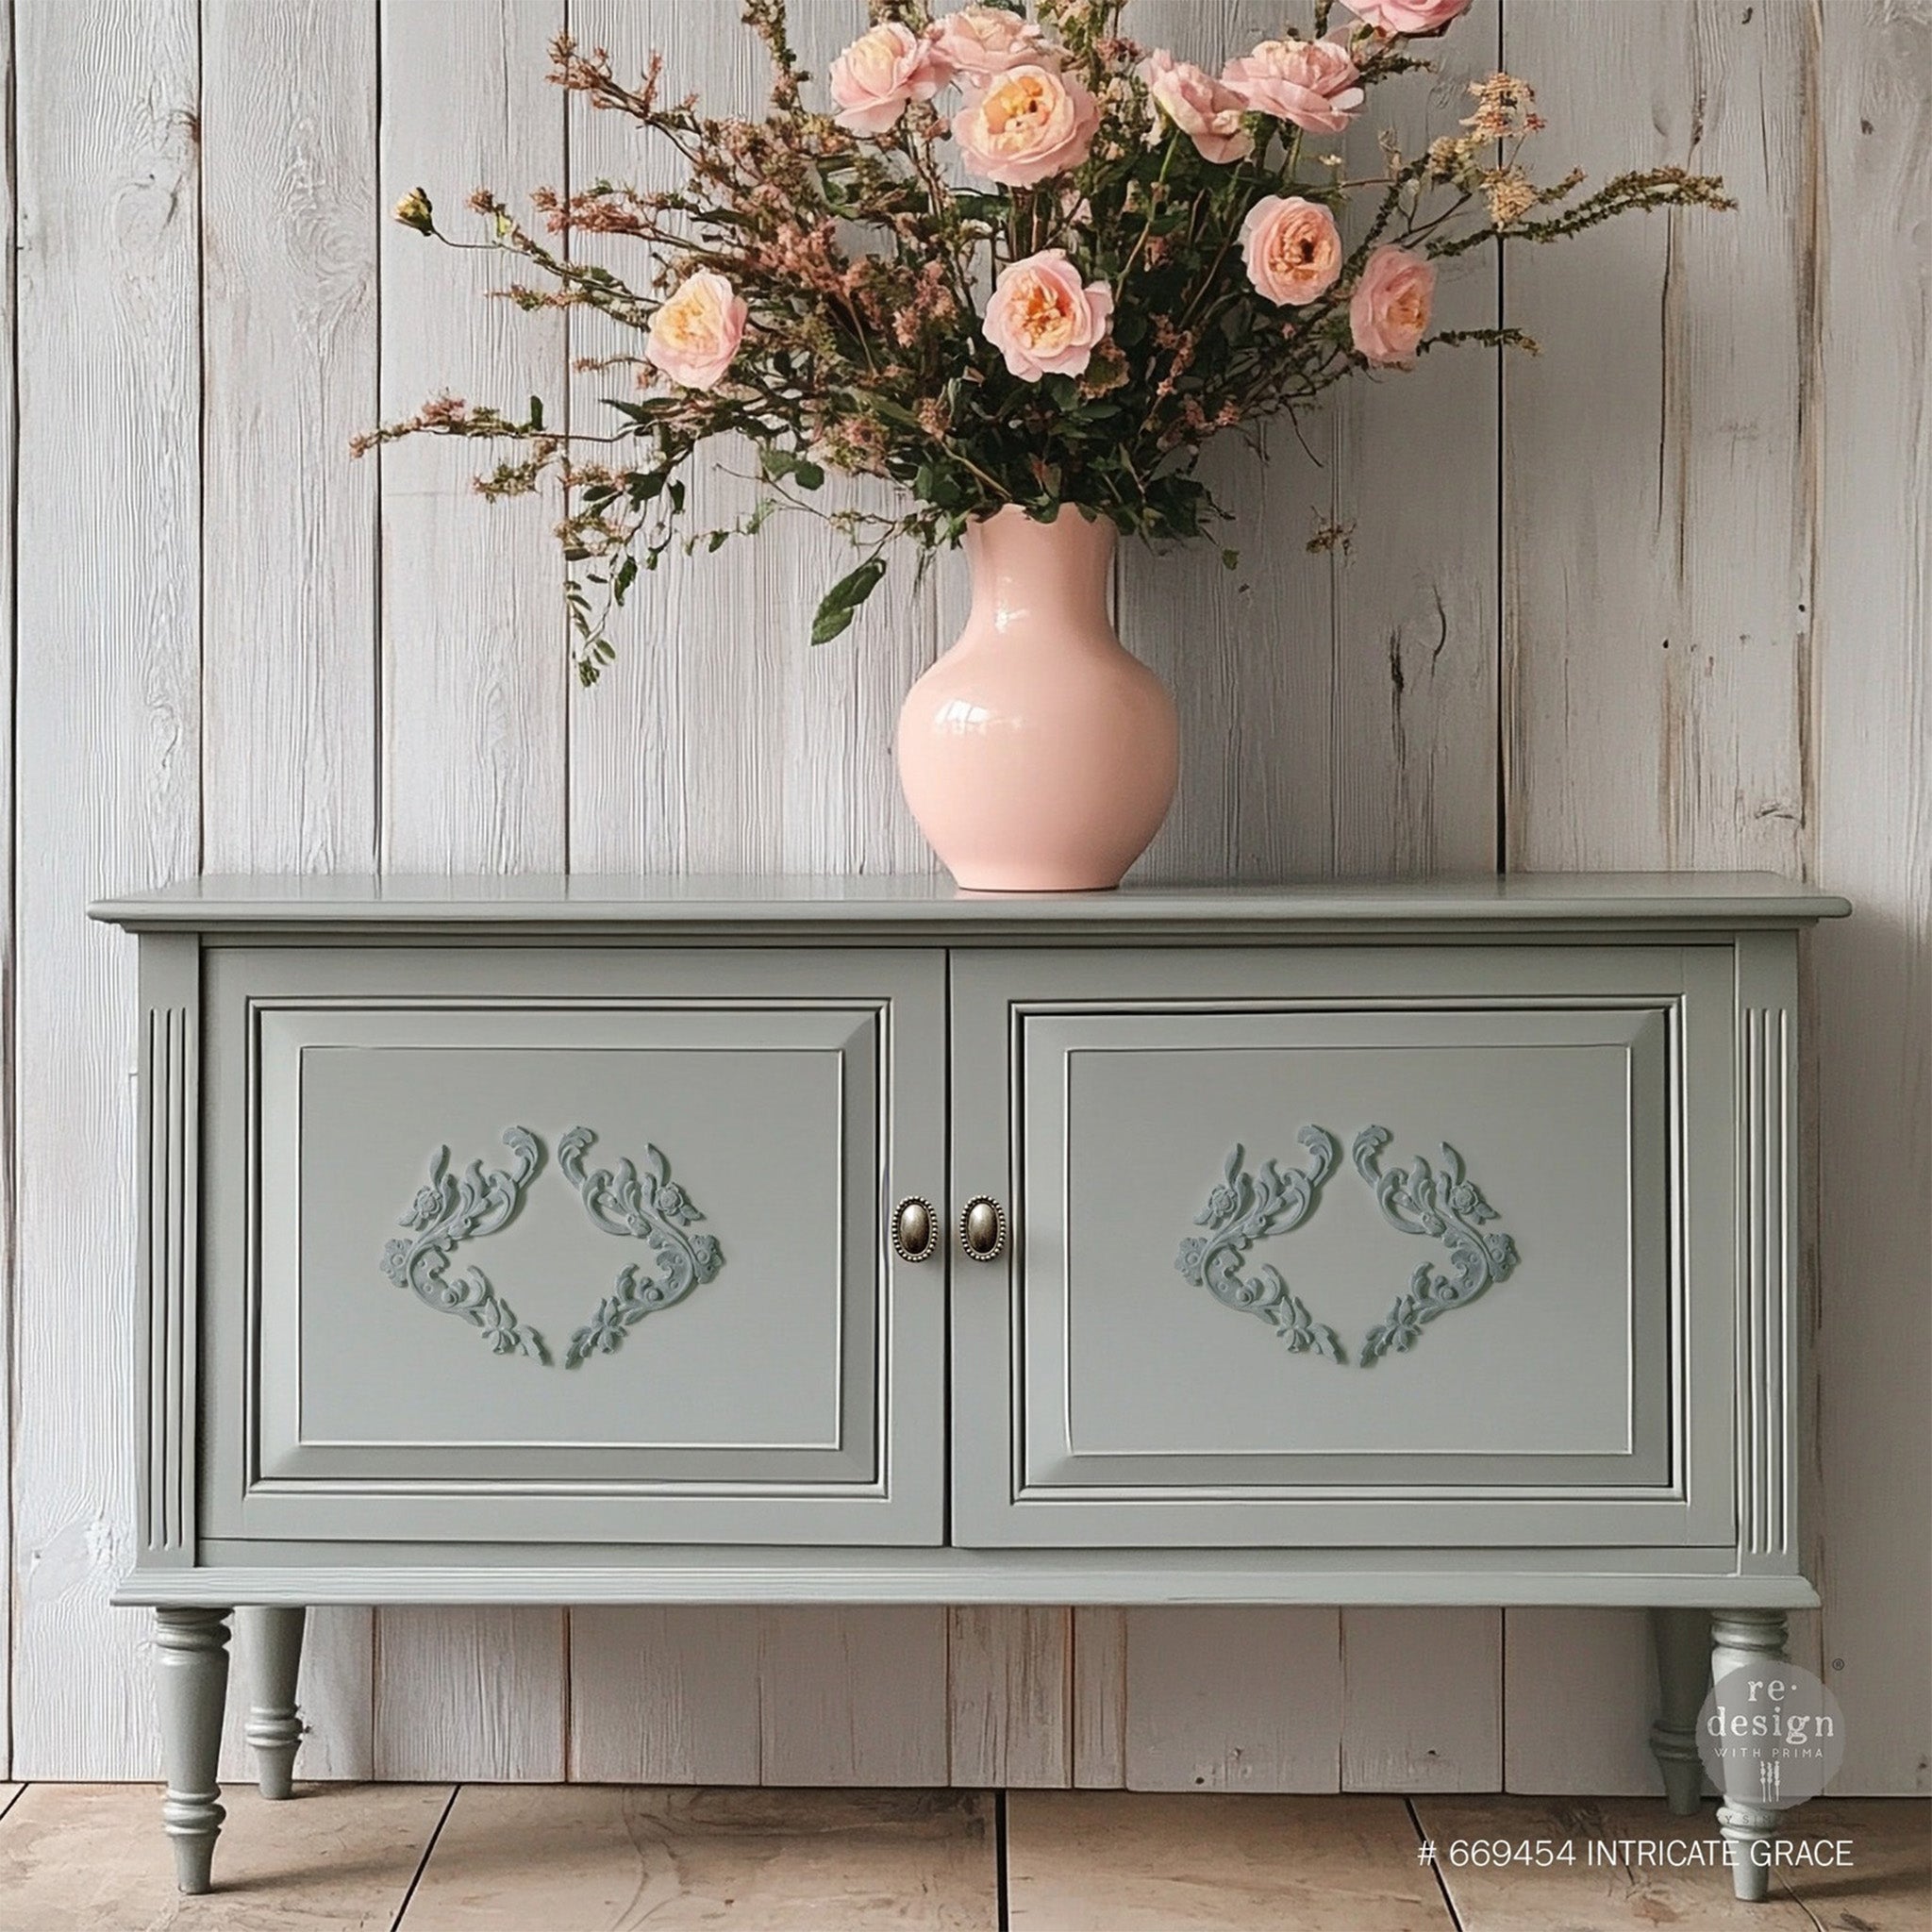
(1038, 755)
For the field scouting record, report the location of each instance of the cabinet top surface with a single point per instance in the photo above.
(856, 905)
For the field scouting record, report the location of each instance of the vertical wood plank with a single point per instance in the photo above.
(721, 740)
(1658, 529)
(1100, 1698)
(1248, 652)
(474, 776)
(1414, 740)
(483, 1688)
(1875, 843)
(853, 1696)
(1421, 1706)
(289, 241)
(677, 755)
(1008, 1673)
(1659, 492)
(1579, 1690)
(8, 955)
(660, 1696)
(475, 681)
(105, 708)
(1221, 1700)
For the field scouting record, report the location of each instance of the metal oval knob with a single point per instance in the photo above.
(915, 1229)
(983, 1229)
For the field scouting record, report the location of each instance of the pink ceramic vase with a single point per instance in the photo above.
(1037, 754)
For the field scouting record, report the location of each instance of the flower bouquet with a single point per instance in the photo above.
(1026, 271)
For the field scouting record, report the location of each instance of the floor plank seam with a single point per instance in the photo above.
(1003, 1901)
(1422, 1838)
(423, 1863)
(19, 1792)
(1802, 1904)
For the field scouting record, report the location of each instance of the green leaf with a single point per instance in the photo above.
(627, 575)
(842, 601)
(778, 463)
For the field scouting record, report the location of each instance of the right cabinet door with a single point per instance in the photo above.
(1396, 1246)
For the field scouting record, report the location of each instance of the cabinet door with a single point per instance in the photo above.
(1401, 1246)
(513, 1245)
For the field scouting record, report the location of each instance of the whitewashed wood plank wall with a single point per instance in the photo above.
(1660, 598)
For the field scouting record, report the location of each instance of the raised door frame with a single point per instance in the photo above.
(881, 1010)
(999, 1500)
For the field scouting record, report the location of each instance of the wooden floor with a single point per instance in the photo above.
(604, 1859)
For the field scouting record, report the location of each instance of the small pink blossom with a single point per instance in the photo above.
(1204, 109)
(695, 337)
(1312, 83)
(1392, 303)
(1027, 125)
(1292, 248)
(1408, 16)
(1045, 321)
(881, 74)
(980, 42)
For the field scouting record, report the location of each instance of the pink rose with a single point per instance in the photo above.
(1408, 16)
(1312, 83)
(881, 74)
(1026, 126)
(1293, 250)
(1208, 113)
(695, 335)
(1390, 307)
(1043, 321)
(983, 42)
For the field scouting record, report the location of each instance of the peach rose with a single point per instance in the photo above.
(1026, 126)
(1205, 110)
(1392, 304)
(1043, 321)
(1312, 83)
(982, 42)
(881, 74)
(695, 335)
(1408, 16)
(1293, 250)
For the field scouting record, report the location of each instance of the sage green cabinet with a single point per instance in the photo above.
(557, 1241)
(1348, 1247)
(571, 1246)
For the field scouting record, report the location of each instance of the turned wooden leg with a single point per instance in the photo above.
(274, 1724)
(1749, 1825)
(192, 1673)
(1683, 1676)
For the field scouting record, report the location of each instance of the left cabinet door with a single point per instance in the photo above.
(508, 1244)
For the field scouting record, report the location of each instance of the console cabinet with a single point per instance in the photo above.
(628, 1240)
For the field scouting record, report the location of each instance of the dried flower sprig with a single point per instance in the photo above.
(1141, 255)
